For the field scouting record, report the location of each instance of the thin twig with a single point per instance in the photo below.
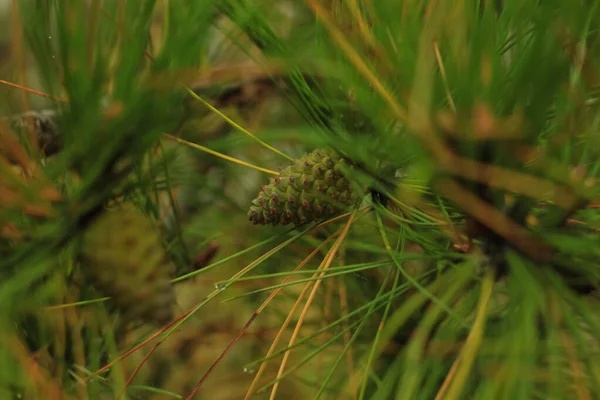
(495, 220)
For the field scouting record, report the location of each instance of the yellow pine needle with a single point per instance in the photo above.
(213, 109)
(75, 304)
(175, 324)
(368, 36)
(439, 149)
(459, 372)
(236, 126)
(438, 56)
(176, 139)
(220, 155)
(285, 324)
(324, 265)
(241, 273)
(195, 96)
(580, 384)
(357, 61)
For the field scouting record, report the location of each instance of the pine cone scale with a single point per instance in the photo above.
(311, 188)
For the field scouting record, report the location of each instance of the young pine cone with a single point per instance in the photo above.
(123, 257)
(312, 188)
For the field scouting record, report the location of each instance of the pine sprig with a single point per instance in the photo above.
(471, 271)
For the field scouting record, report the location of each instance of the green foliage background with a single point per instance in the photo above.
(468, 272)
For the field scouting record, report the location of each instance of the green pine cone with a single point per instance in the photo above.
(123, 257)
(312, 188)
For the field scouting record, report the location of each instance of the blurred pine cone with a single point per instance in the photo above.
(311, 188)
(123, 257)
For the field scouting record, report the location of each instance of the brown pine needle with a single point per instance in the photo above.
(32, 91)
(323, 267)
(179, 320)
(220, 155)
(139, 345)
(253, 318)
(580, 383)
(447, 381)
(455, 380)
(137, 370)
(211, 296)
(223, 354)
(278, 337)
(282, 329)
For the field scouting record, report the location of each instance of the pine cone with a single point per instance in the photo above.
(123, 257)
(312, 188)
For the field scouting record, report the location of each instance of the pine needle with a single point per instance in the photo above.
(220, 155)
(282, 329)
(356, 60)
(324, 265)
(236, 126)
(33, 91)
(458, 375)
